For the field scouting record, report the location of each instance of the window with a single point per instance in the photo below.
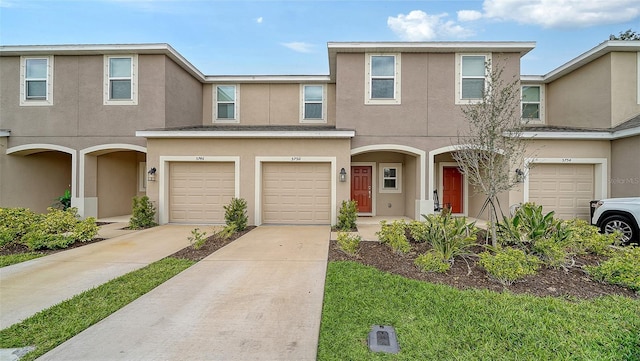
(383, 79)
(313, 104)
(226, 105)
(472, 77)
(391, 177)
(36, 75)
(120, 80)
(532, 111)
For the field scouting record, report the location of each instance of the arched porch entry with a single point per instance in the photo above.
(40, 173)
(388, 180)
(110, 176)
(447, 186)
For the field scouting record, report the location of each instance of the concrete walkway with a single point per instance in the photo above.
(259, 298)
(29, 287)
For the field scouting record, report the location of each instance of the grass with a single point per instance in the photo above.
(51, 327)
(436, 322)
(8, 260)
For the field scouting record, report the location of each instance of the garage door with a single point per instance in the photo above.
(198, 191)
(563, 188)
(296, 193)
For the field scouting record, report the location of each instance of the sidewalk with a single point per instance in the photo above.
(259, 298)
(29, 287)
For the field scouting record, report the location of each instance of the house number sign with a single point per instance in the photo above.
(296, 159)
(567, 160)
(199, 157)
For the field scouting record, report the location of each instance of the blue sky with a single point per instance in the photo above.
(289, 37)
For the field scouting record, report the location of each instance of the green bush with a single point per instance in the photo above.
(588, 239)
(349, 243)
(197, 238)
(143, 213)
(59, 229)
(15, 223)
(64, 201)
(418, 231)
(623, 268)
(552, 253)
(235, 214)
(394, 235)
(347, 216)
(431, 262)
(449, 237)
(508, 265)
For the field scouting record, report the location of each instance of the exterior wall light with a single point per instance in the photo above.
(519, 175)
(151, 174)
(343, 175)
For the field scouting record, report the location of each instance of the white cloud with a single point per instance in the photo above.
(300, 47)
(469, 15)
(259, 20)
(563, 13)
(420, 26)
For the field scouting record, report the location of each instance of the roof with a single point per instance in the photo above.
(629, 128)
(585, 58)
(249, 131)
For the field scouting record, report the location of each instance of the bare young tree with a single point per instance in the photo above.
(492, 148)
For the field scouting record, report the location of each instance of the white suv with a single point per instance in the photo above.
(622, 214)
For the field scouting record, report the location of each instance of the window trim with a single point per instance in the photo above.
(398, 167)
(23, 82)
(458, 86)
(396, 100)
(236, 107)
(540, 119)
(133, 77)
(303, 104)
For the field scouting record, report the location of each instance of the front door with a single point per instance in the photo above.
(452, 189)
(361, 187)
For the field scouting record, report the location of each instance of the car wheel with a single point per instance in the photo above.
(622, 224)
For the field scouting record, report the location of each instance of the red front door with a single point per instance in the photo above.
(452, 189)
(361, 187)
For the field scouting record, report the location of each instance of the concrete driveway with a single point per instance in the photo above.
(259, 298)
(29, 287)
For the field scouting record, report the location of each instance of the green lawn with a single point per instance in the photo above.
(8, 260)
(51, 327)
(436, 322)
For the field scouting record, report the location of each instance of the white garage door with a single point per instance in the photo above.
(296, 193)
(198, 191)
(563, 188)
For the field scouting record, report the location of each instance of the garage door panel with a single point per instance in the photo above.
(566, 189)
(296, 193)
(198, 191)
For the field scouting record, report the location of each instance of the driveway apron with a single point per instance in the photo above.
(29, 287)
(259, 298)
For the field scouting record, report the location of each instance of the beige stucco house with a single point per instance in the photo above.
(110, 122)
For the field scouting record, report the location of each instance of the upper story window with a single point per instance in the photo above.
(471, 82)
(36, 80)
(121, 85)
(532, 110)
(226, 104)
(383, 79)
(313, 104)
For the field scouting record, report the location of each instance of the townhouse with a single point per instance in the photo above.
(110, 122)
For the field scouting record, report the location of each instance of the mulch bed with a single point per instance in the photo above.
(14, 248)
(572, 283)
(212, 244)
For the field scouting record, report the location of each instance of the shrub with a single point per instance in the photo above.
(347, 216)
(394, 235)
(15, 223)
(235, 214)
(144, 213)
(508, 265)
(552, 253)
(349, 243)
(59, 229)
(64, 201)
(623, 268)
(431, 262)
(197, 238)
(418, 231)
(587, 238)
(449, 237)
